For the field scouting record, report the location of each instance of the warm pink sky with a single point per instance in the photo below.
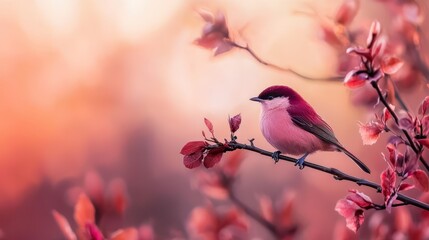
(118, 87)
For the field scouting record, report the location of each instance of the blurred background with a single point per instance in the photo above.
(111, 91)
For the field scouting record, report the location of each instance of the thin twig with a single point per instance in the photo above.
(260, 60)
(338, 175)
(395, 117)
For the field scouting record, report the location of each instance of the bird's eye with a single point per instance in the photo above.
(270, 97)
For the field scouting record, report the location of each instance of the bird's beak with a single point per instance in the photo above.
(256, 99)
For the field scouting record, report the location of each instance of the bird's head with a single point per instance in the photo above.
(278, 97)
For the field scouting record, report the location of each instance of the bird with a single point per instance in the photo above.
(293, 127)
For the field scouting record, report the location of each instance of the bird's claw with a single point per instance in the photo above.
(276, 156)
(300, 161)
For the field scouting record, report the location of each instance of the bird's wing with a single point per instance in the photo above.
(307, 119)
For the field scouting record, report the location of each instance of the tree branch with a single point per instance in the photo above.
(395, 117)
(338, 175)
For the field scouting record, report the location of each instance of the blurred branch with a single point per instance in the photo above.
(260, 60)
(257, 217)
(337, 174)
(397, 95)
(415, 53)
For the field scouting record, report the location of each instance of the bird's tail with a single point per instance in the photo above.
(355, 159)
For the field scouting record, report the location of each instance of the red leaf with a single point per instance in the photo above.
(354, 80)
(232, 163)
(392, 154)
(193, 147)
(359, 198)
(391, 65)
(422, 179)
(234, 217)
(212, 185)
(285, 213)
(370, 132)
(405, 187)
(424, 142)
(193, 160)
(386, 114)
(424, 106)
(403, 220)
(388, 180)
(234, 123)
(213, 157)
(64, 226)
(84, 211)
(347, 12)
(146, 232)
(117, 195)
(93, 232)
(353, 214)
(209, 125)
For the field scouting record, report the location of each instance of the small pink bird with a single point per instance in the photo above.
(292, 126)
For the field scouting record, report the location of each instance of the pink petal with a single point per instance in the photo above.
(391, 65)
(351, 212)
(64, 226)
(421, 178)
(193, 147)
(370, 132)
(359, 198)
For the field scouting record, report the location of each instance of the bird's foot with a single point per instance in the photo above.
(276, 156)
(300, 161)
